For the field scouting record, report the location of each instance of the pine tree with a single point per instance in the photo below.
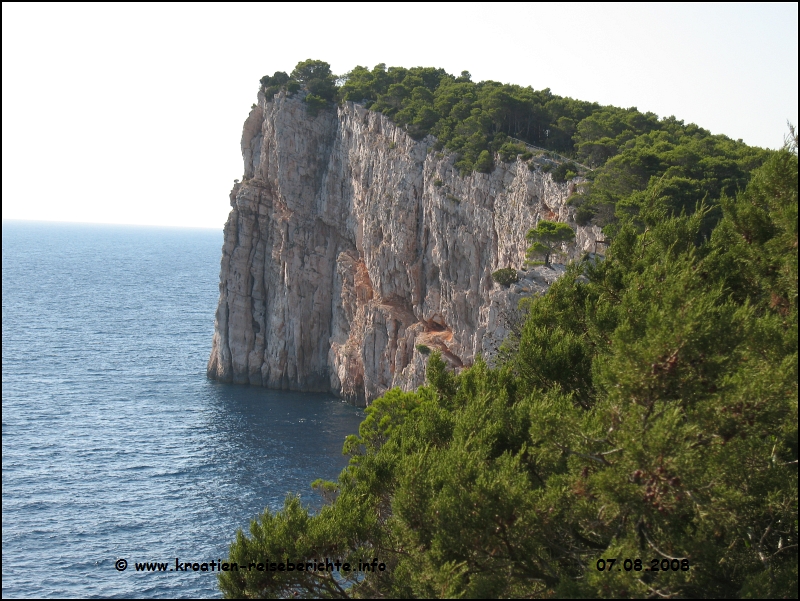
(546, 240)
(647, 416)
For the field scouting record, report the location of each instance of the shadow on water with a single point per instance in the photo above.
(276, 443)
(115, 445)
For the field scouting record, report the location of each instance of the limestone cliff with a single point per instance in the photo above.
(349, 243)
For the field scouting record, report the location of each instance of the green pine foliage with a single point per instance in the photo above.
(647, 410)
(564, 172)
(635, 156)
(506, 276)
(271, 85)
(474, 120)
(546, 239)
(317, 78)
(314, 76)
(679, 165)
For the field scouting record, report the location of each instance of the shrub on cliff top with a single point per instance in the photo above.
(313, 75)
(272, 85)
(317, 78)
(484, 163)
(564, 172)
(510, 150)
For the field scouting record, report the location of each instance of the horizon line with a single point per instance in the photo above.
(53, 221)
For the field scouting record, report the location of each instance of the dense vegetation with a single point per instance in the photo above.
(633, 155)
(645, 411)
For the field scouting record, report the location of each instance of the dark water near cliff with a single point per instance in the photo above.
(115, 445)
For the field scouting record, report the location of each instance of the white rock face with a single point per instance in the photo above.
(349, 243)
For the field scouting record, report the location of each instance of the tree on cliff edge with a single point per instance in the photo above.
(546, 240)
(316, 76)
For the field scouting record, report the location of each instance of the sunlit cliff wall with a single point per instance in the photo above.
(349, 243)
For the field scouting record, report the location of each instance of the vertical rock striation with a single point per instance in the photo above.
(349, 243)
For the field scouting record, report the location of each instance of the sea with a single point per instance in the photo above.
(117, 449)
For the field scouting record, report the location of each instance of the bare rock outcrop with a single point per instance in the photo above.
(349, 244)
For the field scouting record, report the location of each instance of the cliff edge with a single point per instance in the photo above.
(349, 244)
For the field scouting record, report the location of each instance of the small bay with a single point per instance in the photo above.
(115, 444)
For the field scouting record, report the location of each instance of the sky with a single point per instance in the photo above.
(133, 113)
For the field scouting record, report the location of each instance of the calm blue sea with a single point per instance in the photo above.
(115, 445)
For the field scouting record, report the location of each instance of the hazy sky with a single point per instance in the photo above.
(132, 113)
